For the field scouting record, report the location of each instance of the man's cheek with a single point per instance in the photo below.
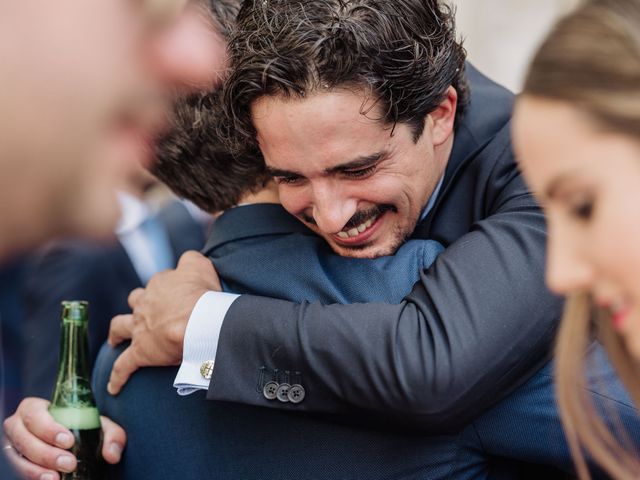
(294, 203)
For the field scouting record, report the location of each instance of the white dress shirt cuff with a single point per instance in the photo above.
(201, 340)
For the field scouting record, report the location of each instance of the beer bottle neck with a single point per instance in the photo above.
(73, 386)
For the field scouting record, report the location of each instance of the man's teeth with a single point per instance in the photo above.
(354, 232)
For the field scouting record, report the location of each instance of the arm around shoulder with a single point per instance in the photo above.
(476, 325)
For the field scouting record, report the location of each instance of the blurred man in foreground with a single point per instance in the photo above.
(84, 87)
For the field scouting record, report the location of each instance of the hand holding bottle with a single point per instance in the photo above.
(39, 445)
(66, 434)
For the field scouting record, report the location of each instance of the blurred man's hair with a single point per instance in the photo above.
(195, 164)
(224, 14)
(191, 158)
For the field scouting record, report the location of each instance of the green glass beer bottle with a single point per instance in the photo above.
(73, 404)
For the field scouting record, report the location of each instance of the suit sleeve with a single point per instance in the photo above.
(478, 323)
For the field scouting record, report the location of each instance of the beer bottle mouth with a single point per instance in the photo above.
(75, 310)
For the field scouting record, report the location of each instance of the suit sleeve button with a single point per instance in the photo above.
(270, 390)
(296, 393)
(283, 392)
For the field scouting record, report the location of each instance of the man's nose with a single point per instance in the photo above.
(188, 52)
(331, 209)
(568, 267)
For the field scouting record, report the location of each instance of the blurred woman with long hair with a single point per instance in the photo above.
(577, 136)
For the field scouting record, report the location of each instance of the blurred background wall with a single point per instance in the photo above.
(501, 35)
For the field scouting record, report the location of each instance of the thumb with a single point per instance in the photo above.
(115, 438)
(192, 259)
(196, 262)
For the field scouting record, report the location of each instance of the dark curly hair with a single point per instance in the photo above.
(404, 53)
(193, 161)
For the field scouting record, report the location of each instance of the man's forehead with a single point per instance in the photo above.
(338, 104)
(330, 123)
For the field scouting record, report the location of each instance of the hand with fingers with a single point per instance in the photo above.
(159, 319)
(37, 445)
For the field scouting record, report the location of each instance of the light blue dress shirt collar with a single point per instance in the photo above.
(432, 199)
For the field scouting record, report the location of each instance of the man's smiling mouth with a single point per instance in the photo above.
(362, 225)
(354, 232)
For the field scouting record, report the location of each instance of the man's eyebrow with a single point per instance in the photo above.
(360, 162)
(276, 172)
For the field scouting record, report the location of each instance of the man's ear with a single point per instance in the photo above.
(441, 120)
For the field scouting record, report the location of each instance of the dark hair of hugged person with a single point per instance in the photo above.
(196, 165)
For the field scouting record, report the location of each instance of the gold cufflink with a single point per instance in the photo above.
(206, 369)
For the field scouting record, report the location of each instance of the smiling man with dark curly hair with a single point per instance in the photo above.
(376, 130)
